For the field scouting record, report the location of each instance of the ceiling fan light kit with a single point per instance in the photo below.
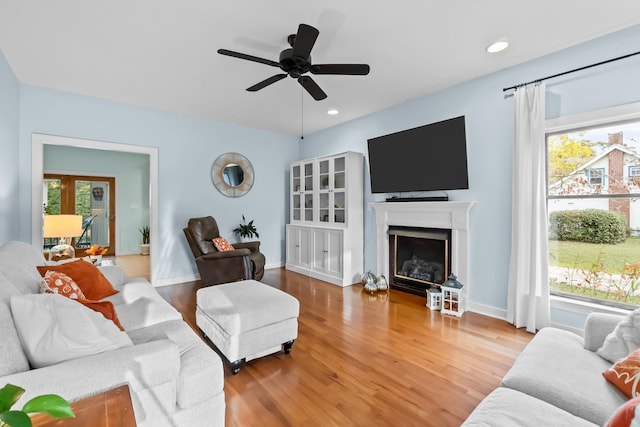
(295, 62)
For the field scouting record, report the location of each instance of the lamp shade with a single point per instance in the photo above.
(62, 225)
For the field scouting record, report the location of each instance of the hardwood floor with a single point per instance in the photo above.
(363, 360)
(134, 265)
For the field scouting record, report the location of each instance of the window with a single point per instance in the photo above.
(595, 176)
(593, 200)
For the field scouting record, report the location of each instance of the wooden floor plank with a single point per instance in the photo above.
(363, 360)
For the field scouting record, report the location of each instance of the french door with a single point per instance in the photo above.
(93, 197)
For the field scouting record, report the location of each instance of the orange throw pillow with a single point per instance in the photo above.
(222, 244)
(625, 415)
(106, 308)
(92, 282)
(55, 282)
(625, 374)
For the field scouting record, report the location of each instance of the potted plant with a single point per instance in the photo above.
(144, 247)
(51, 404)
(246, 230)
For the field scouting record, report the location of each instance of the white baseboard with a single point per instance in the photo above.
(175, 280)
(125, 253)
(487, 310)
(272, 266)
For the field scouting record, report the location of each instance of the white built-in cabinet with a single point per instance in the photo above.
(325, 234)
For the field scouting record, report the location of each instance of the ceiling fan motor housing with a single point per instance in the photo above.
(295, 66)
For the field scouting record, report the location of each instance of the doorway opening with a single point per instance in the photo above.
(39, 141)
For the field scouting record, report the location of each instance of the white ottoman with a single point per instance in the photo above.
(247, 319)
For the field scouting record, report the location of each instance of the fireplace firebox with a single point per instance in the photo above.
(419, 258)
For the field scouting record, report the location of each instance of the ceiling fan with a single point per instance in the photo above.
(296, 61)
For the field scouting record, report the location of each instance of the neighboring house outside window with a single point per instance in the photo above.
(593, 200)
(595, 176)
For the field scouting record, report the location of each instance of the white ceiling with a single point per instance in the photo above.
(161, 54)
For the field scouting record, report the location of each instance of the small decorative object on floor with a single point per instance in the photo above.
(369, 282)
(452, 297)
(381, 283)
(434, 299)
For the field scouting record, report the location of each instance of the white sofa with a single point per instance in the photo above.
(175, 379)
(556, 381)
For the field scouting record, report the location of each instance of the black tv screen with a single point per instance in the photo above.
(426, 158)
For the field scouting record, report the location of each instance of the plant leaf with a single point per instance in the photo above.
(9, 395)
(51, 404)
(15, 419)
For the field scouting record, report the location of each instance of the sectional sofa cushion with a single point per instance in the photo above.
(53, 328)
(547, 369)
(93, 283)
(12, 358)
(197, 361)
(623, 340)
(507, 407)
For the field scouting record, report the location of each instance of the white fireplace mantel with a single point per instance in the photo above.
(453, 216)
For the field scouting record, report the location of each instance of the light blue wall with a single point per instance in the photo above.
(187, 147)
(132, 185)
(9, 126)
(490, 128)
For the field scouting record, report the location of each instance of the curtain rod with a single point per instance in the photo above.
(571, 71)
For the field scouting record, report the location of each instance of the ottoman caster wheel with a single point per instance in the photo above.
(235, 366)
(287, 346)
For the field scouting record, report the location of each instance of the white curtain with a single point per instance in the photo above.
(528, 302)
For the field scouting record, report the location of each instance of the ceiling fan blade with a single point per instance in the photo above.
(248, 57)
(256, 87)
(312, 87)
(345, 69)
(305, 39)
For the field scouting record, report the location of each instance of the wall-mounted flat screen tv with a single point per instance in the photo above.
(426, 158)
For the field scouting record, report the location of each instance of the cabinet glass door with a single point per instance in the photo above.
(296, 207)
(308, 177)
(295, 179)
(339, 190)
(308, 207)
(339, 171)
(324, 210)
(296, 188)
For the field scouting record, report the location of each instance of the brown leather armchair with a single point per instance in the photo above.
(243, 263)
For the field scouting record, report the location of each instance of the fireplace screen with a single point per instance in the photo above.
(419, 257)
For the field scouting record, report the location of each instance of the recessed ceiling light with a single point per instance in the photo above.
(498, 46)
(332, 112)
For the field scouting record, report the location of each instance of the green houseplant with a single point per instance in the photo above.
(51, 404)
(246, 230)
(146, 235)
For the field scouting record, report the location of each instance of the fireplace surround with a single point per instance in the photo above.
(450, 216)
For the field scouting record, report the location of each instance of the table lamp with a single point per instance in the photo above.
(64, 227)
